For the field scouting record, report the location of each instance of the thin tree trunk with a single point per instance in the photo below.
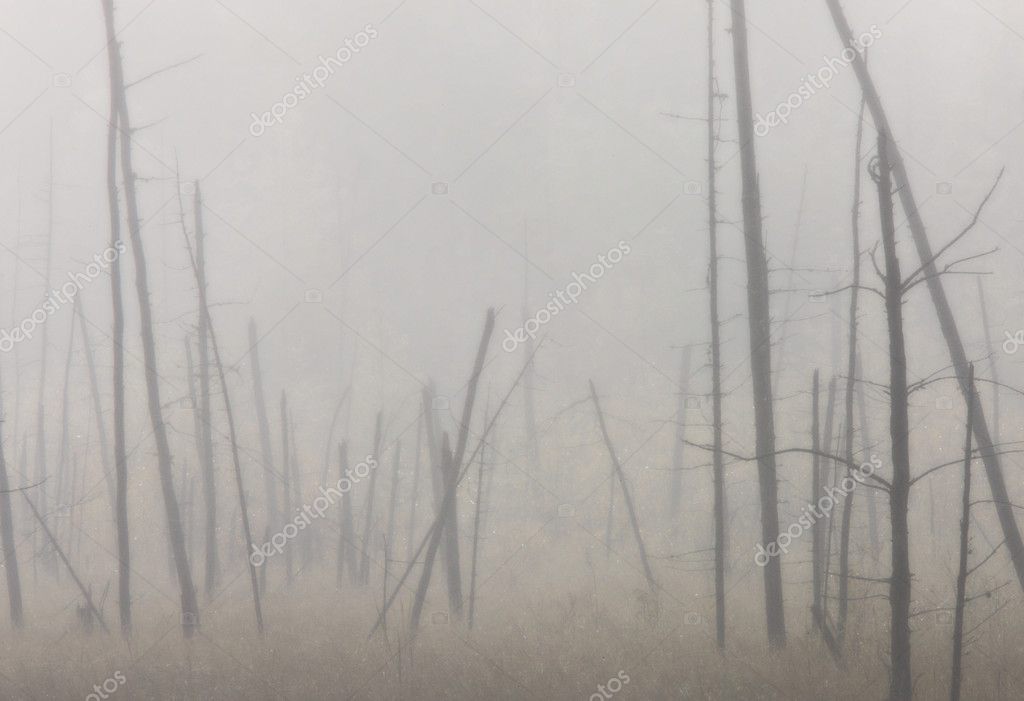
(851, 376)
(453, 566)
(961, 577)
(817, 568)
(266, 448)
(759, 318)
(364, 562)
(393, 502)
(206, 464)
(901, 682)
(97, 403)
(286, 480)
(865, 439)
(347, 535)
(7, 533)
(189, 605)
(950, 332)
(64, 559)
(476, 531)
(415, 489)
(676, 479)
(625, 491)
(718, 465)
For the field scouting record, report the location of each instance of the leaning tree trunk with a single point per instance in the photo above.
(950, 332)
(901, 682)
(675, 491)
(760, 329)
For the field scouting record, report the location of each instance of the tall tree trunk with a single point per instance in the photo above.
(676, 479)
(414, 493)
(97, 403)
(962, 572)
(286, 477)
(950, 332)
(189, 605)
(271, 517)
(7, 533)
(851, 376)
(718, 464)
(205, 411)
(393, 503)
(901, 682)
(759, 318)
(476, 529)
(817, 568)
(364, 561)
(865, 441)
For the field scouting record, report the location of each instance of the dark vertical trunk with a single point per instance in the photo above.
(7, 533)
(718, 465)
(286, 481)
(206, 465)
(393, 503)
(364, 562)
(901, 682)
(625, 491)
(965, 534)
(950, 332)
(759, 318)
(826, 467)
(851, 375)
(676, 479)
(414, 493)
(347, 535)
(817, 569)
(865, 441)
(189, 605)
(476, 530)
(271, 517)
(453, 565)
(97, 403)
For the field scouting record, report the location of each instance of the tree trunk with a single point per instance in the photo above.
(676, 479)
(189, 605)
(961, 577)
(10, 549)
(851, 375)
(286, 481)
(901, 682)
(817, 568)
(950, 332)
(718, 465)
(364, 562)
(759, 319)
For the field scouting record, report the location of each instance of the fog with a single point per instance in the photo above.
(333, 199)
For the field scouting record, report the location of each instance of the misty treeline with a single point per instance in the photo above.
(401, 505)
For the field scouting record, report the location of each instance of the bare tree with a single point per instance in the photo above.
(7, 533)
(759, 318)
(962, 572)
(189, 605)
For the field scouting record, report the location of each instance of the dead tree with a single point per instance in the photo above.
(189, 605)
(364, 561)
(71, 570)
(929, 274)
(865, 439)
(676, 479)
(97, 403)
(718, 464)
(961, 577)
(759, 318)
(817, 568)
(901, 681)
(393, 502)
(347, 533)
(476, 530)
(286, 481)
(206, 465)
(851, 376)
(414, 493)
(625, 491)
(453, 566)
(450, 544)
(445, 511)
(7, 533)
(271, 517)
(204, 316)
